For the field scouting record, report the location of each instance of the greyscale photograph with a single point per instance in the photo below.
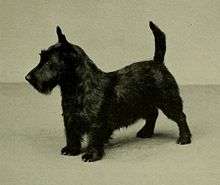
(117, 92)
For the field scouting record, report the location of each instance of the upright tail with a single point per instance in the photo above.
(160, 43)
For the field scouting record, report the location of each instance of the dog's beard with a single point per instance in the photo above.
(45, 87)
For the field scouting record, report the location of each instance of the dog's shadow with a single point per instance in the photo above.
(118, 141)
(132, 141)
(157, 138)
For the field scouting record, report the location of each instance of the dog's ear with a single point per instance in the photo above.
(61, 36)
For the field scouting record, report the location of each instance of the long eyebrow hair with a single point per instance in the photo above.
(42, 52)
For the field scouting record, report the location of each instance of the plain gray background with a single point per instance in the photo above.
(114, 34)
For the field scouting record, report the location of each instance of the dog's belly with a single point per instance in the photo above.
(116, 124)
(127, 114)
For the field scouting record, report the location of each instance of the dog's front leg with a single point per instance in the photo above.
(73, 136)
(95, 149)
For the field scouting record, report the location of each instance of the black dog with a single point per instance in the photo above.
(96, 103)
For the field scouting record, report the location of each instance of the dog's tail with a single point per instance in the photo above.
(160, 43)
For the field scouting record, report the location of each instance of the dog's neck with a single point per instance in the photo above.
(77, 83)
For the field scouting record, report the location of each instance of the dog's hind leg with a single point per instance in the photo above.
(148, 129)
(173, 109)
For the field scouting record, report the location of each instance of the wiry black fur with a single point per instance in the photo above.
(96, 103)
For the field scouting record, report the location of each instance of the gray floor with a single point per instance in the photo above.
(31, 132)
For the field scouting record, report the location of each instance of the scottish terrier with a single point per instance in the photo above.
(96, 102)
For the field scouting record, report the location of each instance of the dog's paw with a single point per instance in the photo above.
(70, 151)
(184, 139)
(144, 134)
(92, 155)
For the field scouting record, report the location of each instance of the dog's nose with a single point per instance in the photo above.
(28, 77)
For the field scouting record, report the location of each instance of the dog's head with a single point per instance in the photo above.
(54, 62)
